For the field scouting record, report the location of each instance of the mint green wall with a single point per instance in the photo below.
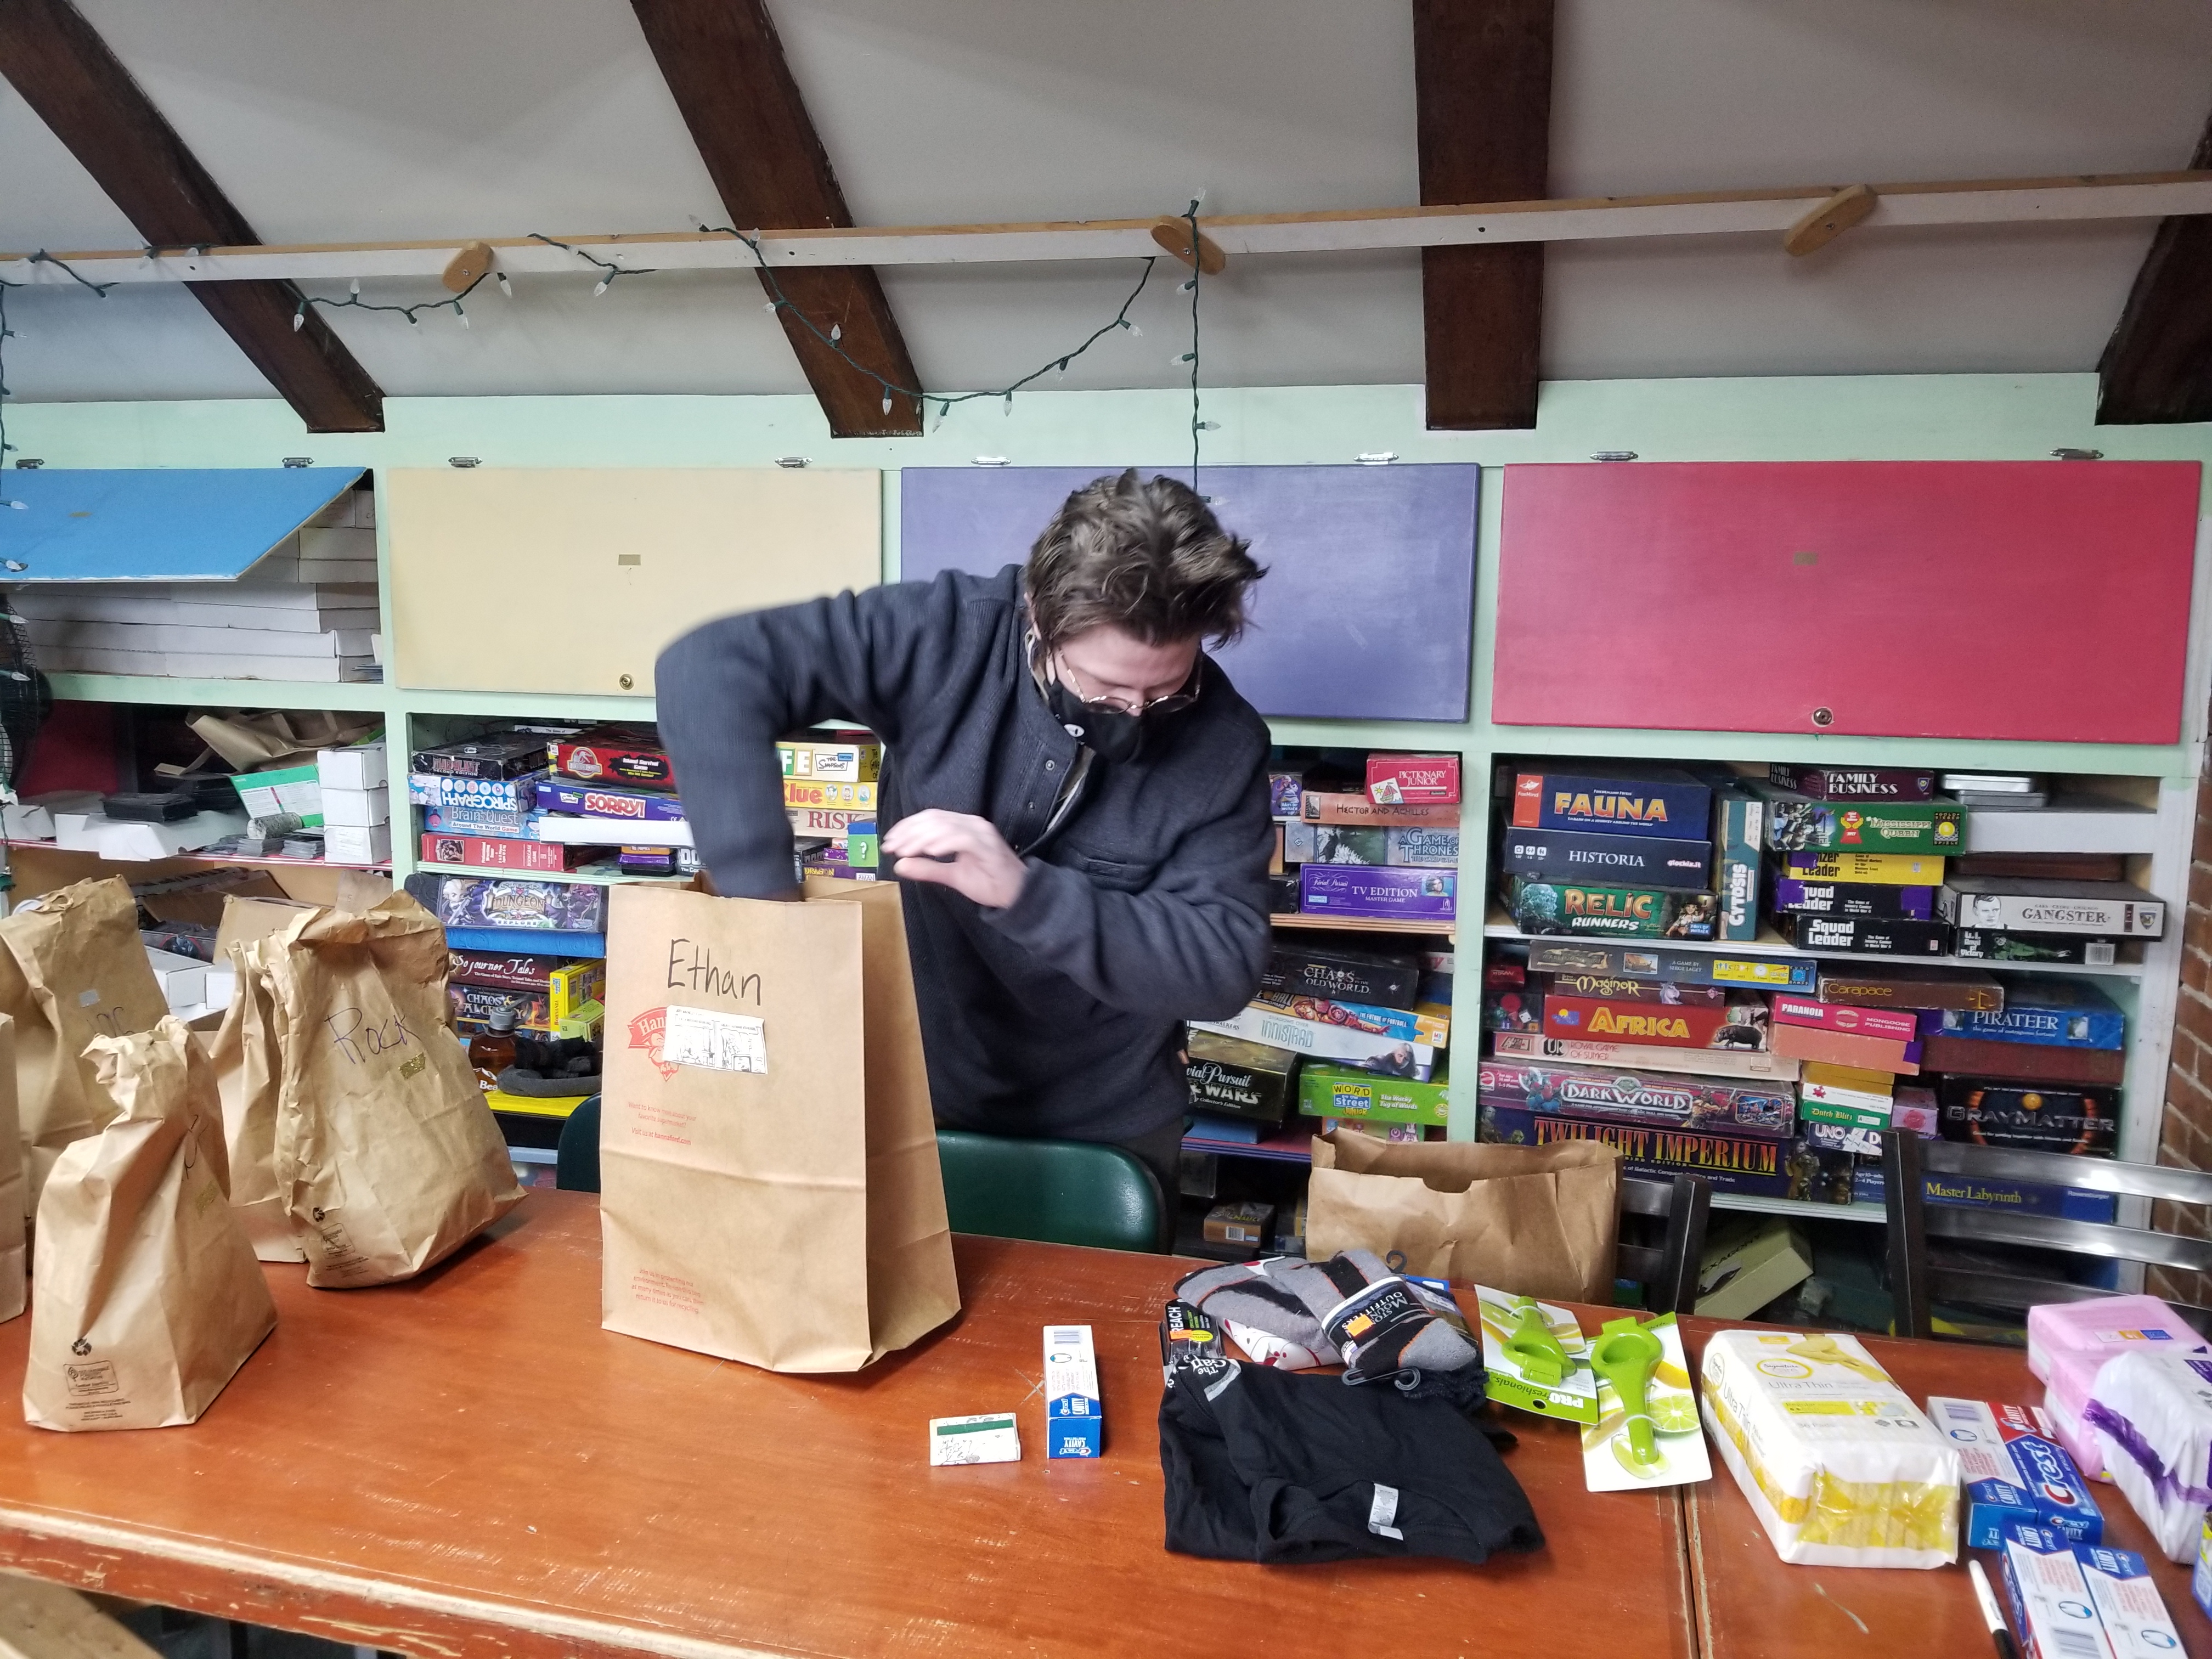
(1902, 417)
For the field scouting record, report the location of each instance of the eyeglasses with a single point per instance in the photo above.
(1166, 705)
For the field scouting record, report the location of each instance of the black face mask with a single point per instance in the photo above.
(1106, 732)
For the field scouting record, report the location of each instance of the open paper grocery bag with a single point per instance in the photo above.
(1540, 1221)
(769, 1184)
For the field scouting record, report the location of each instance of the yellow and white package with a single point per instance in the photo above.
(1842, 1468)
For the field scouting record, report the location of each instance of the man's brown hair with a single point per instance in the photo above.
(1147, 557)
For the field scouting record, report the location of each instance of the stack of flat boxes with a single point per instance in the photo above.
(356, 792)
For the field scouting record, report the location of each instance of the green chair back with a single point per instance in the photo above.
(1061, 1192)
(576, 1162)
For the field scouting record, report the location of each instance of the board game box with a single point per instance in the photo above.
(2070, 1013)
(1241, 1079)
(1994, 944)
(1798, 822)
(1561, 906)
(1648, 1097)
(549, 906)
(1589, 855)
(2024, 1062)
(1413, 780)
(1354, 808)
(487, 757)
(1343, 973)
(1909, 987)
(1559, 956)
(1871, 935)
(1739, 868)
(1740, 1022)
(1729, 1163)
(1754, 1064)
(1337, 889)
(616, 753)
(646, 805)
(1430, 1024)
(2022, 904)
(1864, 783)
(1888, 869)
(1791, 1009)
(1623, 799)
(2030, 1117)
(1874, 900)
(1619, 987)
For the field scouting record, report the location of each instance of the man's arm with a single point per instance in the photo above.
(727, 690)
(1190, 946)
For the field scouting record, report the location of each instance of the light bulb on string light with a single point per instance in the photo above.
(300, 317)
(837, 333)
(505, 287)
(600, 287)
(355, 291)
(463, 316)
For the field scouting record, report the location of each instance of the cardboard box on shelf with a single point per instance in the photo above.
(1559, 956)
(1798, 822)
(1413, 894)
(491, 758)
(1864, 869)
(2021, 904)
(1326, 1091)
(1239, 1078)
(1829, 1047)
(831, 761)
(1993, 945)
(1747, 1265)
(1429, 1023)
(1863, 783)
(1909, 987)
(498, 853)
(361, 766)
(616, 754)
(2057, 1012)
(1752, 1164)
(516, 794)
(1242, 1223)
(1739, 857)
(357, 844)
(1621, 800)
(1592, 856)
(1866, 935)
(357, 809)
(1413, 780)
(1390, 978)
(1349, 808)
(584, 800)
(1855, 898)
(1752, 1064)
(2024, 1062)
(1318, 1041)
(819, 794)
(1740, 1024)
(1790, 1008)
(1650, 1097)
(1560, 907)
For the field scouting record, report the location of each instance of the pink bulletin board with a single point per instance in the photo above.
(2040, 601)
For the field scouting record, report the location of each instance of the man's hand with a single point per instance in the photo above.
(966, 853)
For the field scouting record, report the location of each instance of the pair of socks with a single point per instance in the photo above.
(1350, 1308)
(1269, 1466)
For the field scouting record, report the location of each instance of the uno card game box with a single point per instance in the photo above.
(1561, 906)
(1624, 799)
(1865, 783)
(1559, 956)
(1589, 855)
(1798, 824)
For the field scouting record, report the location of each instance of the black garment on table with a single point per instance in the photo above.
(1285, 1467)
(1059, 1014)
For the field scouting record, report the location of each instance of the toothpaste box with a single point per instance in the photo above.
(2015, 1472)
(2128, 1603)
(1075, 1421)
(2051, 1610)
(990, 1439)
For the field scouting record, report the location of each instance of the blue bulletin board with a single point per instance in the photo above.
(156, 524)
(1367, 609)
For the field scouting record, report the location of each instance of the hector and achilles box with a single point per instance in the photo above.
(1586, 855)
(1557, 955)
(1659, 801)
(1798, 822)
(1565, 907)
(1356, 810)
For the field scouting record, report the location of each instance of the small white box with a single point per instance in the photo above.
(183, 979)
(348, 843)
(33, 820)
(355, 809)
(990, 1439)
(361, 767)
(1074, 1417)
(220, 985)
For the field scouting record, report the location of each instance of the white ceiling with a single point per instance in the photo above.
(334, 120)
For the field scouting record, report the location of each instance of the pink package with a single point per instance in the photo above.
(2107, 1325)
(2073, 1377)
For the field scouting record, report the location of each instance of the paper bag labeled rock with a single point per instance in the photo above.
(385, 1156)
(147, 1298)
(770, 1189)
(1538, 1221)
(248, 1059)
(73, 969)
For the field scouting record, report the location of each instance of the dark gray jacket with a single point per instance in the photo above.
(1147, 906)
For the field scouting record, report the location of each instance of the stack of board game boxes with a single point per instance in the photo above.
(1774, 1071)
(1349, 1035)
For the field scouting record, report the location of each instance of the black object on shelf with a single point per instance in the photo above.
(166, 807)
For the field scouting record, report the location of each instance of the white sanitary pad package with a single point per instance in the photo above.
(1841, 1468)
(2154, 1414)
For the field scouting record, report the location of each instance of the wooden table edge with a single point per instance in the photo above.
(312, 1597)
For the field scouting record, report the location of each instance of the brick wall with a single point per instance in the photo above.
(2185, 1133)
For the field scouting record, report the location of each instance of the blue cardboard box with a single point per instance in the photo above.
(1591, 855)
(2062, 1014)
(1623, 799)
(2014, 1472)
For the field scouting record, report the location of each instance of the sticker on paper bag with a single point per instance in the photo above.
(716, 1041)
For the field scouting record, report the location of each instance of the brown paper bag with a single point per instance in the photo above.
(74, 968)
(248, 1058)
(385, 1156)
(148, 1297)
(770, 1190)
(1534, 1220)
(15, 1256)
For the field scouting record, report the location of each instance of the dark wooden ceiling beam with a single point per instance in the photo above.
(2157, 367)
(725, 68)
(1482, 83)
(78, 88)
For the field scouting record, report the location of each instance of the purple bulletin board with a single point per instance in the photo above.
(1367, 611)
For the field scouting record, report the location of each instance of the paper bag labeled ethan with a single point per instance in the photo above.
(73, 969)
(248, 1059)
(1538, 1221)
(385, 1156)
(147, 1298)
(769, 1184)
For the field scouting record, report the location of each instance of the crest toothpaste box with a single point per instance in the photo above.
(2050, 1605)
(2015, 1473)
(1075, 1420)
(2128, 1603)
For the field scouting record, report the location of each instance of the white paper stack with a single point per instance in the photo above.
(2154, 1412)
(306, 611)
